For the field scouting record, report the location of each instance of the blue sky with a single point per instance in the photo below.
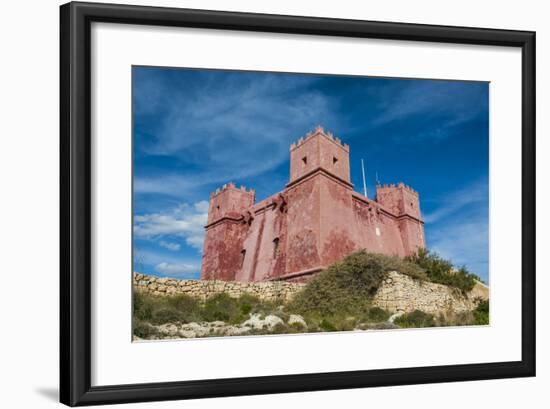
(195, 130)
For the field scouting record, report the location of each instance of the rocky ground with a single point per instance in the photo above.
(255, 325)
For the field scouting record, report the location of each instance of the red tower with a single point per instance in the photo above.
(316, 220)
(403, 202)
(225, 232)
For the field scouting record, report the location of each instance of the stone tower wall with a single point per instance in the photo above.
(225, 232)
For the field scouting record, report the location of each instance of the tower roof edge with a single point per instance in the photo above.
(319, 131)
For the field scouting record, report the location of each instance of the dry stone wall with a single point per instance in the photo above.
(202, 289)
(398, 292)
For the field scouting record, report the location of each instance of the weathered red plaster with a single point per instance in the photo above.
(316, 220)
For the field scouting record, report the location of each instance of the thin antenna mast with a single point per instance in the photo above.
(364, 180)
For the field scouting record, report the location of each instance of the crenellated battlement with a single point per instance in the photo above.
(399, 198)
(229, 201)
(231, 186)
(399, 185)
(319, 150)
(319, 130)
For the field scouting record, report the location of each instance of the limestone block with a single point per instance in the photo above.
(295, 319)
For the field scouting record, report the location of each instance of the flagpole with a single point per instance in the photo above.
(364, 179)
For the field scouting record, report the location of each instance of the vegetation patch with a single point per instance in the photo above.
(143, 329)
(415, 319)
(481, 313)
(337, 299)
(441, 271)
(182, 308)
(160, 310)
(347, 287)
(376, 314)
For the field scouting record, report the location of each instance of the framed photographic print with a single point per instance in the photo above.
(263, 203)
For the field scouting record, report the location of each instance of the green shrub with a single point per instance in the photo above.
(143, 306)
(155, 309)
(346, 287)
(376, 314)
(184, 303)
(222, 307)
(163, 309)
(281, 328)
(327, 325)
(143, 329)
(247, 303)
(415, 319)
(481, 313)
(455, 319)
(250, 304)
(166, 315)
(439, 270)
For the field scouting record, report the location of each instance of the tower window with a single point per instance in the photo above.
(334, 160)
(243, 254)
(275, 247)
(304, 160)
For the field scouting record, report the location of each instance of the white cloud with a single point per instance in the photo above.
(435, 98)
(464, 244)
(167, 264)
(169, 245)
(454, 202)
(239, 126)
(447, 105)
(177, 269)
(184, 221)
(459, 230)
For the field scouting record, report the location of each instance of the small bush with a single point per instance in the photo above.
(481, 313)
(439, 270)
(143, 306)
(281, 328)
(327, 325)
(455, 319)
(162, 309)
(221, 307)
(166, 315)
(143, 329)
(247, 303)
(250, 304)
(415, 319)
(185, 303)
(376, 314)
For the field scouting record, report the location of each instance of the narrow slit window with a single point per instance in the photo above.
(243, 255)
(275, 247)
(334, 160)
(304, 160)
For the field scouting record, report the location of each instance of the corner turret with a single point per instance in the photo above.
(230, 201)
(400, 199)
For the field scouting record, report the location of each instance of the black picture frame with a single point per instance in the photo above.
(75, 203)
